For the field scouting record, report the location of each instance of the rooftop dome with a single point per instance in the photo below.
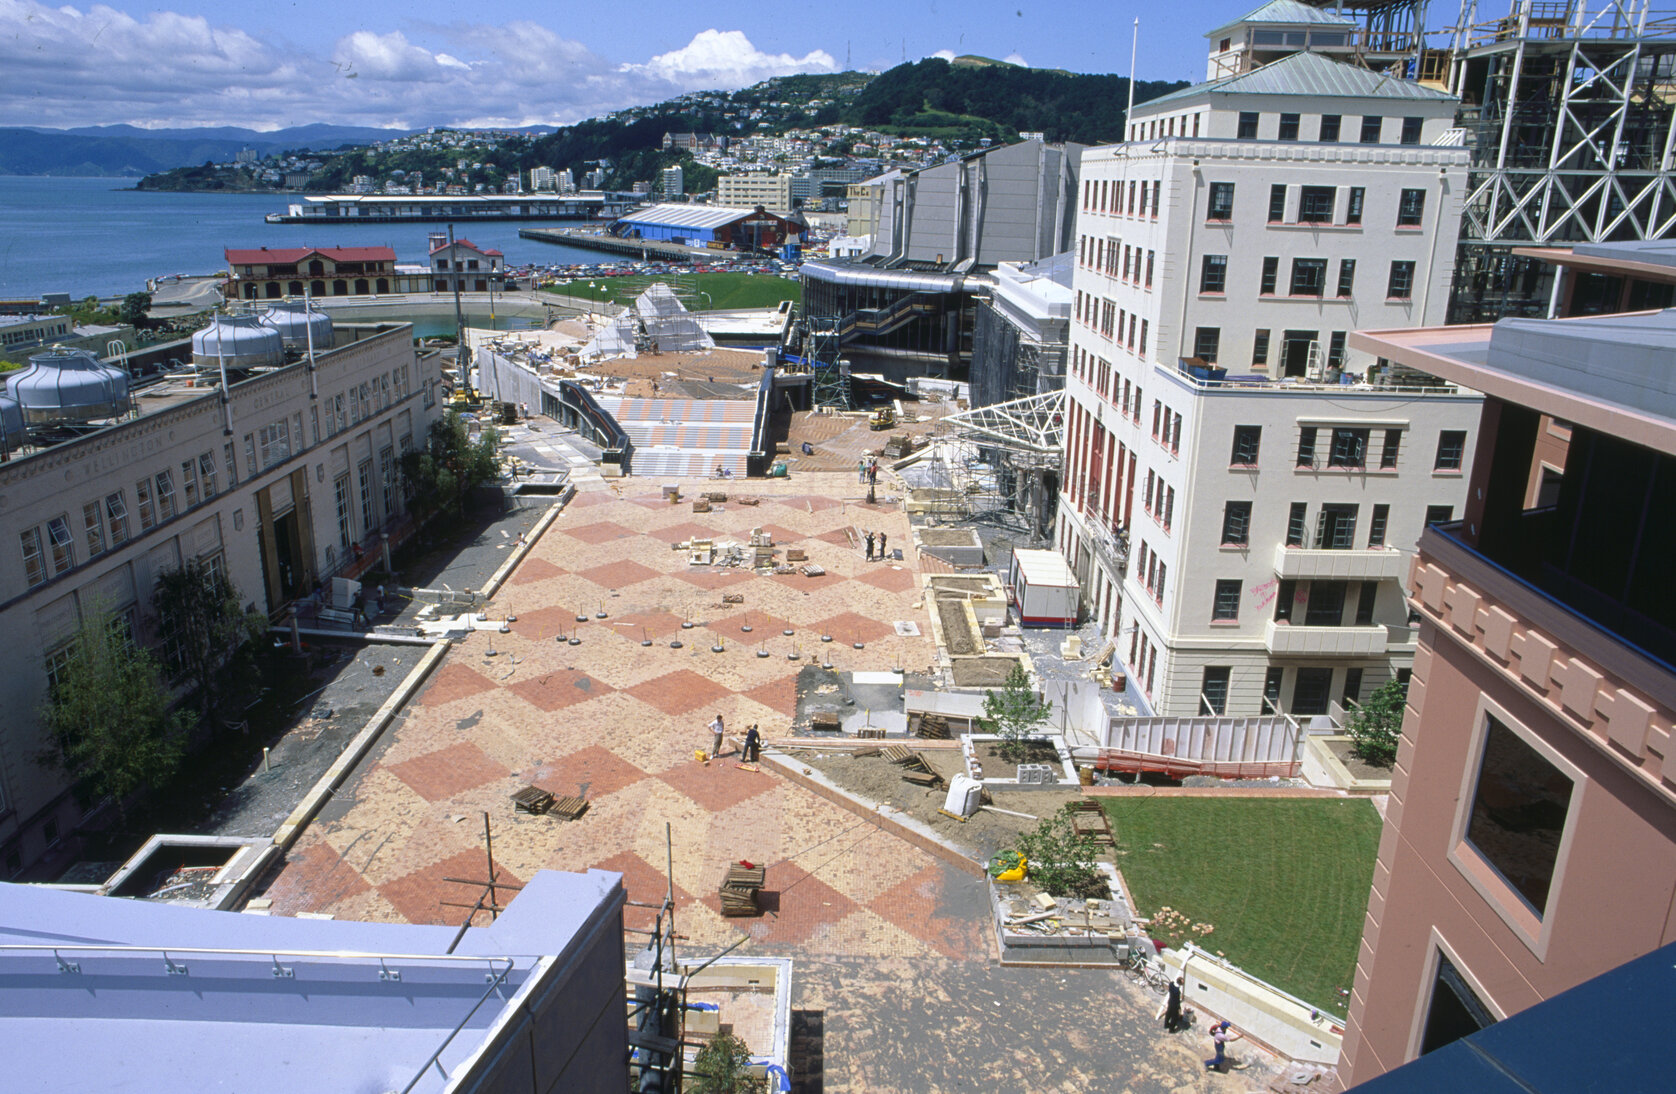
(294, 320)
(242, 341)
(69, 385)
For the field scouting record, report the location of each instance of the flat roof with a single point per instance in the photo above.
(96, 996)
(1650, 259)
(688, 216)
(1609, 373)
(1044, 568)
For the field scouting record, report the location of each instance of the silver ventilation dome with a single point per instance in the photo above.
(294, 321)
(11, 423)
(243, 341)
(70, 385)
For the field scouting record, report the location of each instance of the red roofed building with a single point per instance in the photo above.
(269, 273)
(477, 269)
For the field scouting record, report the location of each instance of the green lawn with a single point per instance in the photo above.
(1284, 883)
(725, 291)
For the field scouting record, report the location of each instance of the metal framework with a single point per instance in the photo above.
(1015, 475)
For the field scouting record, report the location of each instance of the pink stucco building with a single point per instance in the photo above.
(1530, 842)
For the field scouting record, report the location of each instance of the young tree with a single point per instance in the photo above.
(1376, 725)
(450, 466)
(203, 624)
(107, 718)
(1061, 862)
(1014, 712)
(720, 1067)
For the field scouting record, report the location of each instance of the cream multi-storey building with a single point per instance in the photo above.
(772, 192)
(289, 480)
(1242, 488)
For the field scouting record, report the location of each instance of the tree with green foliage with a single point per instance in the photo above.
(1376, 726)
(107, 716)
(450, 466)
(722, 1067)
(203, 625)
(1014, 712)
(1060, 861)
(136, 310)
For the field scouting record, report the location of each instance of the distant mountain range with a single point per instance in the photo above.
(128, 150)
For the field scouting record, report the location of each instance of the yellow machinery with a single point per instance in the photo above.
(882, 419)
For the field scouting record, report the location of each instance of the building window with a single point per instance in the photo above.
(1350, 448)
(1325, 607)
(369, 502)
(1277, 203)
(1401, 285)
(93, 521)
(1346, 277)
(1451, 447)
(387, 475)
(1213, 274)
(142, 496)
(34, 563)
(1286, 596)
(1206, 341)
(1310, 690)
(1411, 130)
(1271, 271)
(1272, 680)
(116, 517)
(1306, 446)
(1439, 514)
(165, 495)
(1455, 1010)
(63, 547)
(1247, 439)
(1370, 128)
(1388, 451)
(1329, 128)
(1365, 601)
(1248, 125)
(1221, 201)
(1335, 350)
(1519, 807)
(252, 469)
(206, 473)
(1150, 256)
(1411, 208)
(1335, 527)
(1236, 523)
(1226, 606)
(1213, 691)
(1315, 204)
(1260, 347)
(227, 451)
(1295, 524)
(346, 527)
(189, 483)
(1353, 211)
(1309, 276)
(1288, 127)
(1376, 525)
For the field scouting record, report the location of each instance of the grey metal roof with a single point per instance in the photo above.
(1312, 75)
(1285, 11)
(1622, 360)
(1654, 252)
(687, 216)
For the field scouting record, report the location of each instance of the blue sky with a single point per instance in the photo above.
(420, 62)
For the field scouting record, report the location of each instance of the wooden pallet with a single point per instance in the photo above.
(532, 799)
(870, 732)
(738, 890)
(901, 754)
(570, 808)
(923, 778)
(1088, 819)
(933, 727)
(824, 721)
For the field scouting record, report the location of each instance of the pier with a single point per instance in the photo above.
(644, 249)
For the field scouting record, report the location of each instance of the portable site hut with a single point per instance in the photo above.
(1044, 589)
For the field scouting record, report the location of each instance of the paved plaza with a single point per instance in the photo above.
(891, 945)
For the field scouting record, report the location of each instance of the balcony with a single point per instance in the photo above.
(1287, 640)
(1305, 564)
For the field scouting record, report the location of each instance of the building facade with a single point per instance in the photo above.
(1530, 838)
(772, 192)
(265, 273)
(1241, 484)
(288, 482)
(464, 265)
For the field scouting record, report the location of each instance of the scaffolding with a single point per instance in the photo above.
(997, 464)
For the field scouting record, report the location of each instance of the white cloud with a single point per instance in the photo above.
(945, 54)
(95, 66)
(1015, 59)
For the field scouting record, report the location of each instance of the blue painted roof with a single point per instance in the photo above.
(1606, 1034)
(101, 998)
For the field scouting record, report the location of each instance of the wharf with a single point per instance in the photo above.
(644, 249)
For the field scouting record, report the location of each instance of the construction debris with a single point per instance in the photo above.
(738, 891)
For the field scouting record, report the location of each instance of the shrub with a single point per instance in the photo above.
(721, 1067)
(1014, 712)
(1062, 862)
(1376, 725)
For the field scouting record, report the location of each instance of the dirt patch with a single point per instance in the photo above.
(1358, 767)
(941, 583)
(948, 537)
(982, 672)
(878, 780)
(958, 635)
(1035, 752)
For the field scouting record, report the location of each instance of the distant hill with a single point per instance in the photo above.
(131, 150)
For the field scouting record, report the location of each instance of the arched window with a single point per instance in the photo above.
(294, 288)
(250, 290)
(316, 268)
(360, 286)
(273, 290)
(318, 288)
(340, 287)
(383, 285)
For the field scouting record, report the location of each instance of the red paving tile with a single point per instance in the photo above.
(780, 694)
(313, 878)
(717, 785)
(716, 579)
(889, 579)
(680, 533)
(442, 774)
(454, 680)
(762, 626)
(418, 896)
(852, 627)
(592, 773)
(601, 532)
(912, 905)
(532, 570)
(796, 904)
(618, 575)
(679, 692)
(545, 624)
(783, 536)
(556, 690)
(654, 624)
(644, 884)
(818, 503)
(839, 536)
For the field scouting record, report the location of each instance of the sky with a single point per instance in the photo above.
(415, 63)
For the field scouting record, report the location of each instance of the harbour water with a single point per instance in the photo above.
(96, 237)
